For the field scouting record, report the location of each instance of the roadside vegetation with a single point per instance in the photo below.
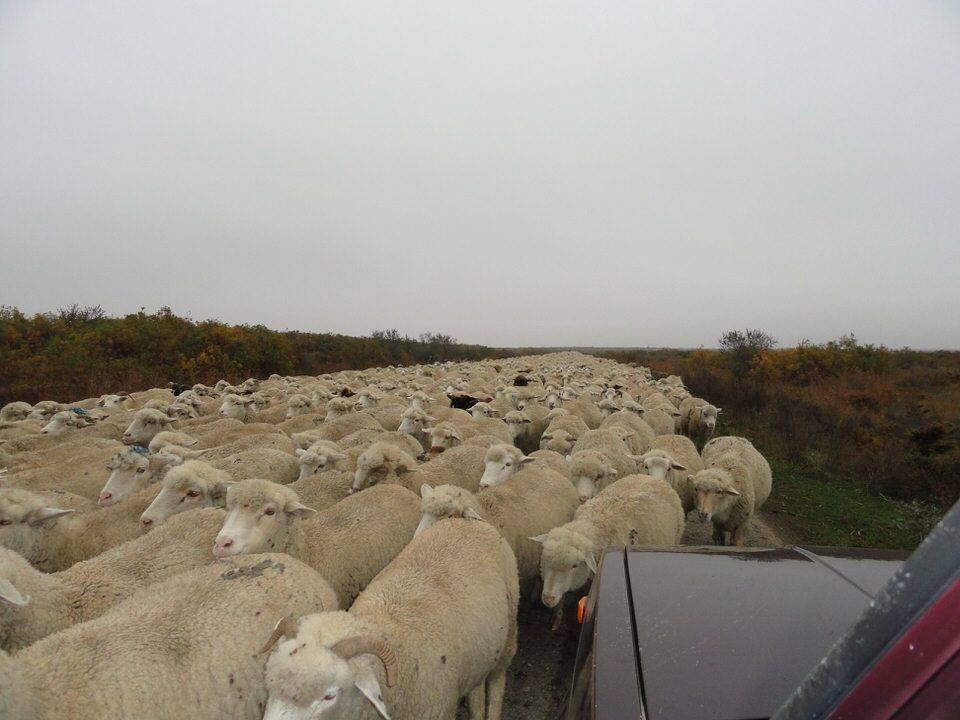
(80, 352)
(864, 441)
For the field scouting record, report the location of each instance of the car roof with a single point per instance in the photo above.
(727, 634)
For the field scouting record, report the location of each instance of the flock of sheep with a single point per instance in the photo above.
(345, 546)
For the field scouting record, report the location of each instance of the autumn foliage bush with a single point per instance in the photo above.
(80, 352)
(887, 419)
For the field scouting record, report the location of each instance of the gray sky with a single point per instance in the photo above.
(591, 173)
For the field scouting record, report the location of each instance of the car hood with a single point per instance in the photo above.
(727, 634)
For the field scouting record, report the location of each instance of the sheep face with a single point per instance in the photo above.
(310, 676)
(318, 458)
(298, 405)
(131, 471)
(110, 401)
(260, 517)
(589, 471)
(181, 411)
(414, 421)
(560, 441)
(443, 437)
(366, 400)
(483, 410)
(61, 422)
(444, 501)
(567, 561)
(44, 410)
(23, 516)
(15, 411)
(715, 494)
(146, 423)
(517, 423)
(708, 418)
(657, 464)
(183, 489)
(377, 463)
(338, 407)
(235, 407)
(500, 464)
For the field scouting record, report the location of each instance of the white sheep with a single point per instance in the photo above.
(54, 538)
(735, 483)
(131, 470)
(673, 458)
(348, 543)
(194, 484)
(598, 459)
(146, 423)
(15, 411)
(634, 511)
(90, 588)
(201, 667)
(534, 501)
(698, 418)
(459, 580)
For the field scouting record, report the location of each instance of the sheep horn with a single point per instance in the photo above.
(352, 646)
(286, 627)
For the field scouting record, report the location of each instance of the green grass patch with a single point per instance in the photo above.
(810, 506)
(817, 509)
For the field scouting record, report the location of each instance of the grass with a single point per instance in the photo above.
(817, 509)
(813, 507)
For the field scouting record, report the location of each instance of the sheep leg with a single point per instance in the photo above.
(739, 536)
(496, 682)
(718, 535)
(557, 618)
(477, 702)
(535, 587)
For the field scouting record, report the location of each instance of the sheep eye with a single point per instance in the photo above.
(193, 493)
(141, 470)
(269, 511)
(508, 464)
(329, 696)
(5, 522)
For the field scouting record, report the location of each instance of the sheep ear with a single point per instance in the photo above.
(218, 493)
(611, 472)
(526, 459)
(299, 452)
(40, 515)
(430, 418)
(731, 491)
(337, 456)
(471, 514)
(9, 595)
(719, 410)
(677, 466)
(456, 436)
(367, 684)
(539, 538)
(591, 564)
(298, 509)
(425, 490)
(636, 458)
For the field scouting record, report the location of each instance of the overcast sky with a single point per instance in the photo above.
(513, 173)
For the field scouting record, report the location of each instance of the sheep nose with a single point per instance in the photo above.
(104, 497)
(145, 522)
(221, 546)
(584, 498)
(549, 600)
(702, 515)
